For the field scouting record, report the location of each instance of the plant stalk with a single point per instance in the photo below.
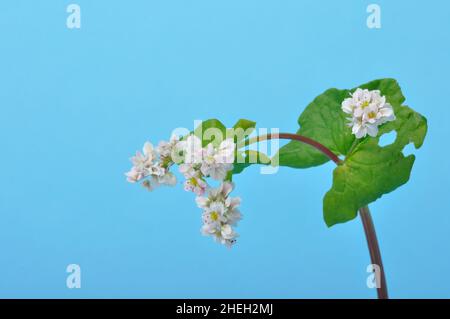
(300, 138)
(364, 212)
(374, 250)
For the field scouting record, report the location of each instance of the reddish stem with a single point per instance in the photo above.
(374, 250)
(303, 139)
(369, 228)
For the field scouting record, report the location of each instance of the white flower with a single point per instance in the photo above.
(218, 161)
(194, 180)
(220, 211)
(147, 164)
(167, 178)
(227, 235)
(142, 163)
(211, 161)
(192, 149)
(188, 170)
(161, 176)
(165, 148)
(204, 162)
(220, 214)
(219, 194)
(233, 214)
(225, 152)
(144, 160)
(368, 110)
(195, 184)
(213, 217)
(134, 175)
(214, 225)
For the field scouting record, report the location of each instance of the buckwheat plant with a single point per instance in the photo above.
(343, 126)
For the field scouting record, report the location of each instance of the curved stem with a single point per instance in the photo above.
(366, 218)
(374, 250)
(300, 138)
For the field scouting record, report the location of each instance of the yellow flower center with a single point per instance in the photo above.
(372, 115)
(214, 216)
(194, 181)
(365, 104)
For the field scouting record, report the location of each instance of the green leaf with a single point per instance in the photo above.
(323, 121)
(365, 176)
(211, 131)
(247, 158)
(240, 132)
(245, 125)
(370, 171)
(411, 127)
(388, 87)
(229, 176)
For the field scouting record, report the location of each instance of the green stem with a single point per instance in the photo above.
(355, 142)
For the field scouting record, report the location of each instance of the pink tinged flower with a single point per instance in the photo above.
(156, 170)
(196, 185)
(188, 170)
(166, 149)
(202, 202)
(221, 192)
(144, 160)
(232, 202)
(167, 178)
(233, 216)
(216, 171)
(147, 165)
(192, 149)
(154, 181)
(227, 236)
(217, 162)
(227, 232)
(220, 213)
(213, 217)
(225, 152)
(133, 175)
(226, 188)
(142, 163)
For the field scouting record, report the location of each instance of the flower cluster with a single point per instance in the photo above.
(220, 213)
(196, 164)
(368, 110)
(150, 167)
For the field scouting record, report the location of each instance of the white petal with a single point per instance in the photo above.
(227, 188)
(202, 202)
(358, 112)
(148, 148)
(372, 130)
(361, 132)
(386, 112)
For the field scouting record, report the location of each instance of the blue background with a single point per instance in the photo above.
(76, 104)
